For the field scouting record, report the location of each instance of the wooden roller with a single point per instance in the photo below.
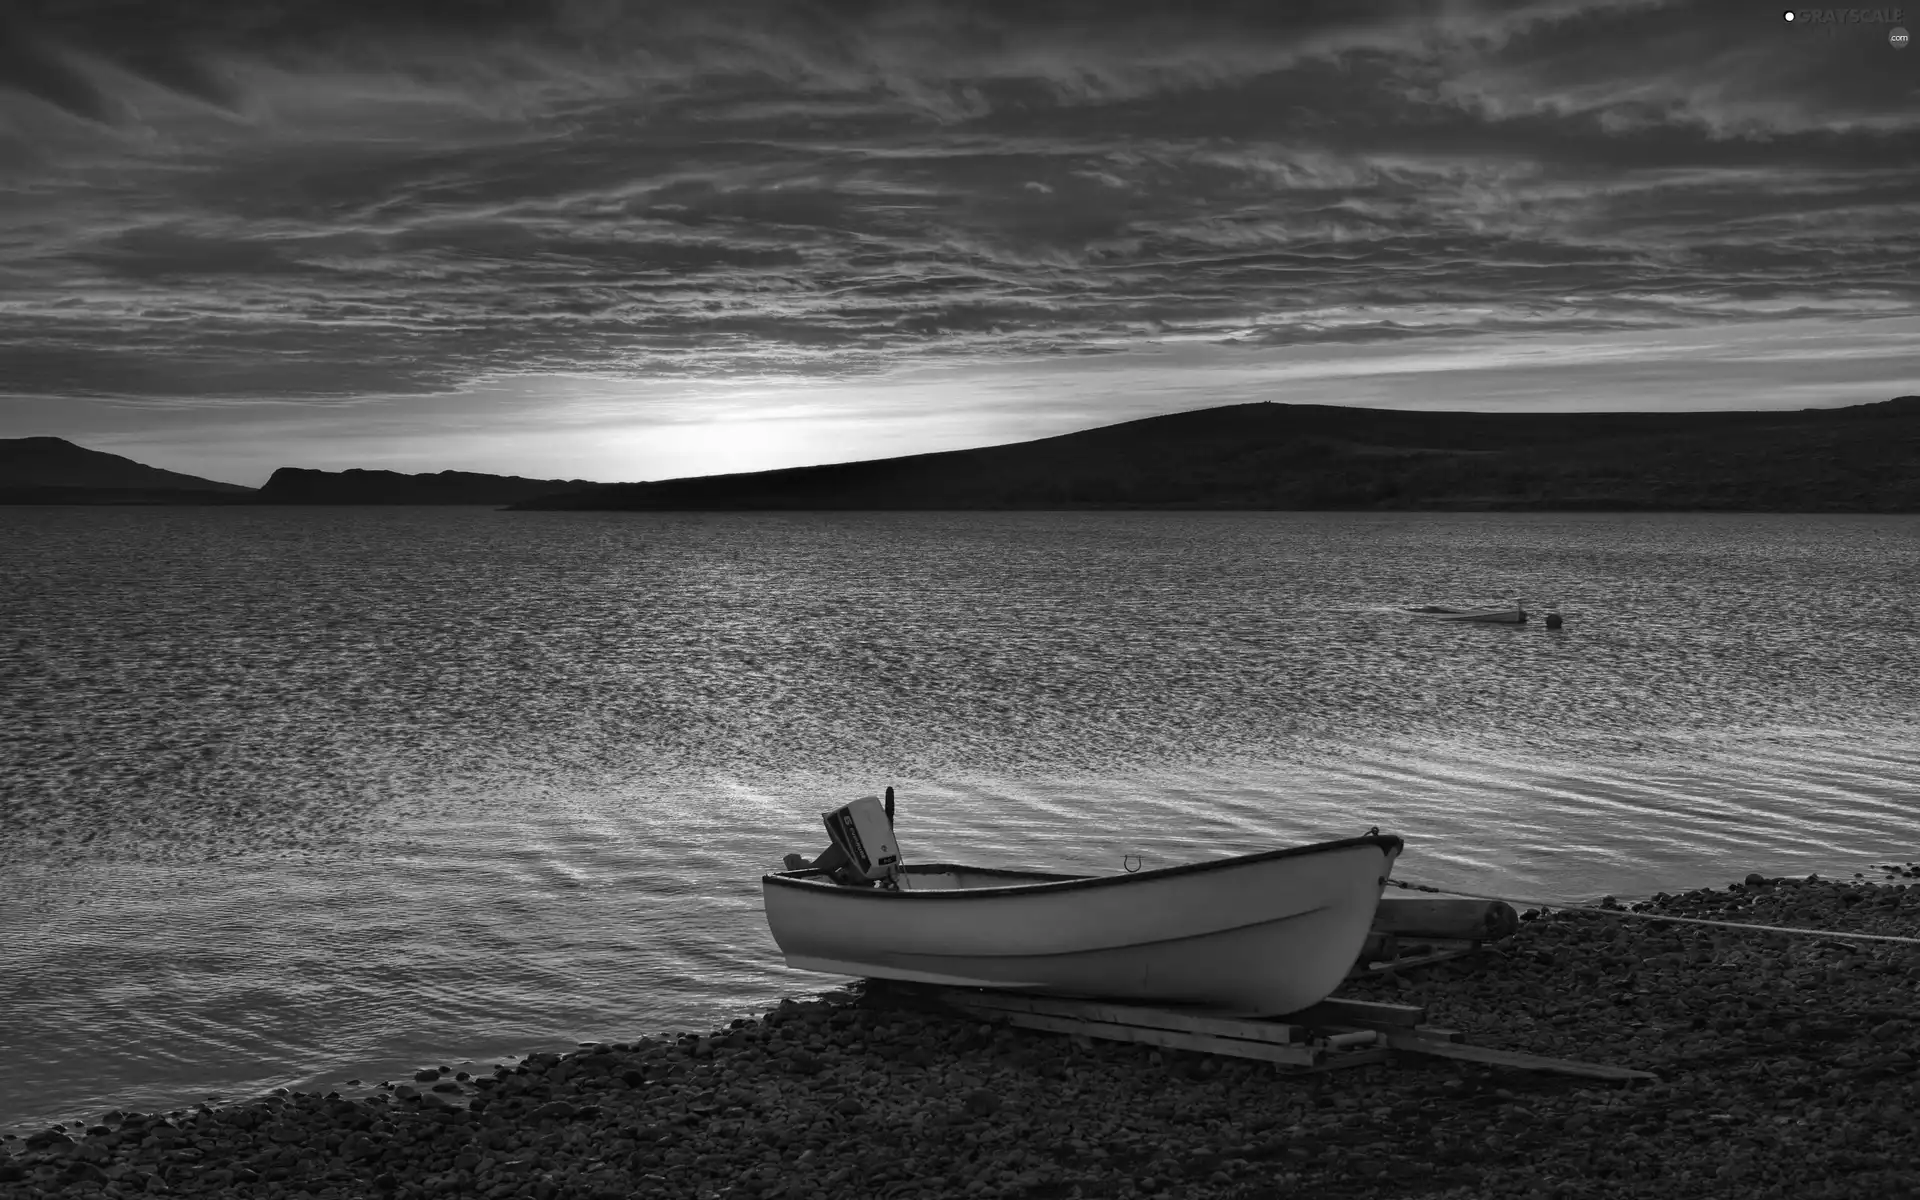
(1446, 917)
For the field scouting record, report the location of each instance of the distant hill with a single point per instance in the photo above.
(296, 485)
(51, 470)
(1862, 458)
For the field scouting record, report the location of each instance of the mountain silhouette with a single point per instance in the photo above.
(297, 485)
(1860, 458)
(52, 470)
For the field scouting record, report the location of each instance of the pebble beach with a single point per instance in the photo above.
(1786, 1067)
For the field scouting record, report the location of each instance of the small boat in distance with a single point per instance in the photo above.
(1266, 933)
(1516, 615)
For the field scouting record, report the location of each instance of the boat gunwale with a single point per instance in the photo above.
(815, 879)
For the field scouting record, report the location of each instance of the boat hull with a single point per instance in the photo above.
(1263, 933)
(1490, 616)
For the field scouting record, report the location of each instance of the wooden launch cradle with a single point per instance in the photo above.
(1330, 1035)
(1333, 1034)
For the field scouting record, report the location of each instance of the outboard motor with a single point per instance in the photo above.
(863, 833)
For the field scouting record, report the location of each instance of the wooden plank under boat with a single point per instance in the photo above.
(1272, 932)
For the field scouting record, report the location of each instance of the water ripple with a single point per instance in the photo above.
(288, 796)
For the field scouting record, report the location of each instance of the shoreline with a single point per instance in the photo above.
(1786, 1065)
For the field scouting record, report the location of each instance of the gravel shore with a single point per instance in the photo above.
(1786, 1069)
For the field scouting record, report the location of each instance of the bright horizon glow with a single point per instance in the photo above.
(561, 427)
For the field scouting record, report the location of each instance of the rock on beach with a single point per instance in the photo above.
(1786, 1068)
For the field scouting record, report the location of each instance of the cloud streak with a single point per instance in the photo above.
(233, 203)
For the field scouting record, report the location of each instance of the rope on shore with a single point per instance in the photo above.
(1647, 916)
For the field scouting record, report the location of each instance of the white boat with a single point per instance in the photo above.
(1266, 933)
(1497, 616)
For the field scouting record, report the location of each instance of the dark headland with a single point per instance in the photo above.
(1861, 458)
(295, 485)
(51, 470)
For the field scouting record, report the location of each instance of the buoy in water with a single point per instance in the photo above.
(1553, 620)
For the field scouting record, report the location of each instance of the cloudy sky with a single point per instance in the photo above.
(614, 239)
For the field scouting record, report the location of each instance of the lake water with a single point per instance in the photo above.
(293, 796)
